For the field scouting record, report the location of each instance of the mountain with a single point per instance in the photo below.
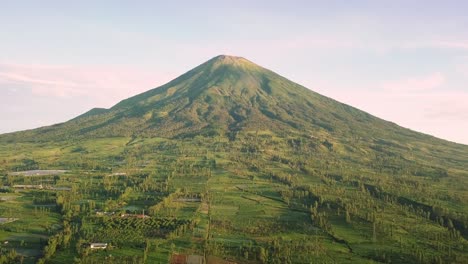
(256, 168)
(223, 96)
(227, 95)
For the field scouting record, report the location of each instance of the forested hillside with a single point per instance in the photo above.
(232, 162)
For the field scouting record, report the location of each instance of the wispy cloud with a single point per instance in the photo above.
(40, 86)
(104, 84)
(15, 77)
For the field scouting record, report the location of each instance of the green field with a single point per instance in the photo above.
(242, 206)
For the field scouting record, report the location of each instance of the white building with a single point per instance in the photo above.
(98, 245)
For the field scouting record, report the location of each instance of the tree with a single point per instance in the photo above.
(262, 255)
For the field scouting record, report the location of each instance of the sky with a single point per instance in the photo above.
(403, 61)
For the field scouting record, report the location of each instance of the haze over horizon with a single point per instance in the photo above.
(403, 62)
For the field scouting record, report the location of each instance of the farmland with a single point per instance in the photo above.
(158, 197)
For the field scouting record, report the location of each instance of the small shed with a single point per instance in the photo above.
(98, 245)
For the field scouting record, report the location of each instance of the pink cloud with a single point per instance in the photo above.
(439, 113)
(41, 86)
(415, 84)
(18, 77)
(104, 84)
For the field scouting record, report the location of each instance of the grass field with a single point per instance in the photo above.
(199, 199)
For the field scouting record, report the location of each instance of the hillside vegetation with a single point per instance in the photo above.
(231, 161)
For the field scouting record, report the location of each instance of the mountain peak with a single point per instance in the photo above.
(228, 58)
(233, 61)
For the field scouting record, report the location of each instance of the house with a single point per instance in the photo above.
(98, 245)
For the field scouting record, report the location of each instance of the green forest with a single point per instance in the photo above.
(231, 163)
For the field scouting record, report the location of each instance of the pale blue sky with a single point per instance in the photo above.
(404, 61)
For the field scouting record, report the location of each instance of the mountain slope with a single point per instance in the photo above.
(231, 160)
(227, 95)
(224, 95)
